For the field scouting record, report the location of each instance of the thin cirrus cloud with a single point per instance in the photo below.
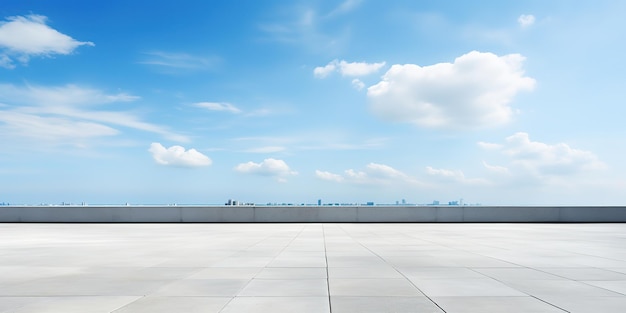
(24, 36)
(68, 112)
(474, 91)
(541, 159)
(345, 7)
(175, 61)
(218, 106)
(347, 68)
(178, 156)
(268, 167)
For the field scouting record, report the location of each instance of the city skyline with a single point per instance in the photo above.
(496, 103)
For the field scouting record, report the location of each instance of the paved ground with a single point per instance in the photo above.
(312, 268)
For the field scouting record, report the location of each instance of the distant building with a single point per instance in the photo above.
(232, 202)
(436, 202)
(319, 201)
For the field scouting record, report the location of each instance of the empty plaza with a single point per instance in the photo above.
(312, 267)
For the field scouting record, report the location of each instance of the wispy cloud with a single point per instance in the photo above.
(66, 113)
(266, 149)
(218, 106)
(24, 36)
(303, 26)
(173, 61)
(345, 7)
(526, 20)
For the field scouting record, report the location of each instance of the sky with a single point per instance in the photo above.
(347, 101)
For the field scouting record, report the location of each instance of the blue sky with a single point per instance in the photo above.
(493, 102)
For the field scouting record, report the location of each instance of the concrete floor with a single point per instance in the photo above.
(312, 268)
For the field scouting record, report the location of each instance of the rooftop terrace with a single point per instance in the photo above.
(310, 267)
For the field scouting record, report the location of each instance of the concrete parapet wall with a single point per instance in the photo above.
(310, 214)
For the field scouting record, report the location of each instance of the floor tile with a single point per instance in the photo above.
(372, 287)
(585, 304)
(292, 273)
(156, 304)
(203, 287)
(226, 273)
(495, 305)
(286, 288)
(585, 273)
(540, 288)
(470, 287)
(393, 304)
(278, 305)
(90, 304)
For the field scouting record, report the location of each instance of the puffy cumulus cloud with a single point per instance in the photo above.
(474, 91)
(541, 159)
(347, 68)
(374, 173)
(328, 176)
(323, 71)
(453, 176)
(178, 156)
(218, 106)
(268, 167)
(66, 113)
(526, 20)
(25, 36)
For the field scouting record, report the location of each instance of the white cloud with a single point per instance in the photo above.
(61, 113)
(384, 171)
(323, 71)
(218, 106)
(475, 91)
(526, 20)
(25, 36)
(496, 168)
(51, 128)
(328, 176)
(178, 156)
(373, 174)
(454, 176)
(347, 68)
(540, 159)
(489, 146)
(268, 167)
(359, 68)
(178, 61)
(358, 84)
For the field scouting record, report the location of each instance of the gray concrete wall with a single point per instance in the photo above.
(309, 214)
